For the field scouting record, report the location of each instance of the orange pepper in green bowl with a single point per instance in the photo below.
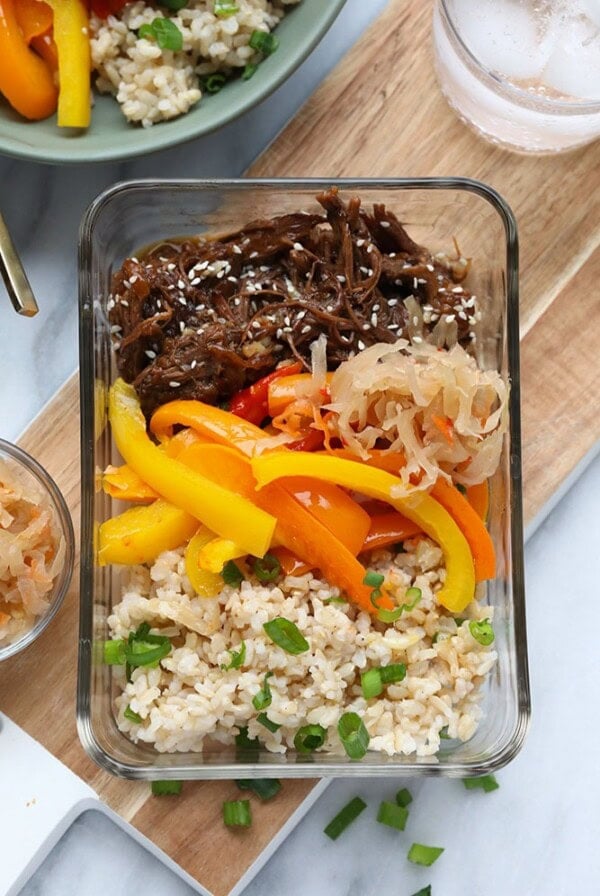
(25, 79)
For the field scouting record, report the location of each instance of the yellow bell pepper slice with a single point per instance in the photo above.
(206, 584)
(459, 588)
(214, 554)
(222, 511)
(125, 485)
(140, 534)
(71, 36)
(296, 530)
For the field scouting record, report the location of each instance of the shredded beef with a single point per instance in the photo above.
(204, 318)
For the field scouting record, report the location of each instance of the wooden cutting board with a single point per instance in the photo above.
(379, 114)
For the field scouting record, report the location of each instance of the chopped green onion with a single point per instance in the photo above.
(403, 797)
(263, 698)
(444, 733)
(114, 653)
(424, 855)
(249, 70)
(244, 743)
(238, 658)
(414, 596)
(267, 569)
(392, 815)
(371, 683)
(174, 5)
(237, 814)
(166, 788)
(225, 8)
(309, 738)
(263, 719)
(165, 32)
(132, 716)
(213, 83)
(265, 788)
(373, 680)
(345, 817)
(458, 620)
(334, 600)
(232, 574)
(426, 891)
(435, 638)
(353, 735)
(482, 632)
(461, 488)
(487, 783)
(263, 41)
(286, 635)
(373, 579)
(147, 653)
(392, 673)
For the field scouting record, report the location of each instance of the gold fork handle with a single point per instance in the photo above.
(15, 278)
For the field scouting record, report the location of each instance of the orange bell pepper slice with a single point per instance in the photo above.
(296, 530)
(25, 79)
(458, 589)
(389, 528)
(323, 501)
(478, 497)
(472, 527)
(34, 18)
(286, 389)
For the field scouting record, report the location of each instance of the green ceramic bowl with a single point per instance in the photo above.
(110, 137)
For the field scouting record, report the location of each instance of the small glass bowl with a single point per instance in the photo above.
(35, 474)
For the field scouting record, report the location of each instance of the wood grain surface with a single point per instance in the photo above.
(379, 114)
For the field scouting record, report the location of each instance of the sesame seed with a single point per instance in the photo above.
(415, 321)
(182, 300)
(171, 266)
(415, 282)
(421, 280)
(392, 302)
(237, 250)
(417, 340)
(287, 329)
(286, 320)
(200, 307)
(430, 267)
(392, 255)
(366, 326)
(300, 315)
(115, 328)
(236, 302)
(361, 344)
(279, 333)
(393, 326)
(182, 325)
(174, 385)
(360, 243)
(110, 304)
(150, 354)
(202, 266)
(341, 278)
(449, 318)
(232, 279)
(329, 308)
(125, 303)
(384, 223)
(181, 284)
(298, 247)
(305, 329)
(363, 270)
(253, 254)
(134, 278)
(374, 319)
(195, 281)
(256, 324)
(369, 249)
(193, 364)
(462, 315)
(220, 274)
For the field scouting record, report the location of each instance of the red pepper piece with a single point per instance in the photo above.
(253, 403)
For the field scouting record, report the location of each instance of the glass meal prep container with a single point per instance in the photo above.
(436, 211)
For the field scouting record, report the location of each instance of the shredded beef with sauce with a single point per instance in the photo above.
(202, 319)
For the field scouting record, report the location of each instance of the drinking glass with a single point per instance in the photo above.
(525, 74)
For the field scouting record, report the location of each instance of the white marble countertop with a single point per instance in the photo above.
(538, 833)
